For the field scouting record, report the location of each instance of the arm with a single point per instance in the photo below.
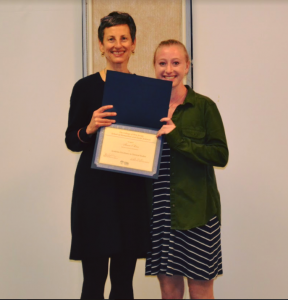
(80, 133)
(76, 137)
(213, 151)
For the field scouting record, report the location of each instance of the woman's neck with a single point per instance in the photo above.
(123, 68)
(115, 67)
(178, 95)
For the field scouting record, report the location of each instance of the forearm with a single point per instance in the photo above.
(79, 140)
(215, 153)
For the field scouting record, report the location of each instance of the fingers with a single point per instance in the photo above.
(103, 108)
(168, 120)
(98, 121)
(161, 132)
(105, 115)
(103, 124)
(166, 129)
(99, 116)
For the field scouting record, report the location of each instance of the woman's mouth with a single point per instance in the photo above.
(118, 53)
(169, 77)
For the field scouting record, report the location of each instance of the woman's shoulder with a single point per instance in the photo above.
(198, 99)
(89, 81)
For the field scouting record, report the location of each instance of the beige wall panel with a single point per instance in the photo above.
(240, 61)
(40, 61)
(156, 20)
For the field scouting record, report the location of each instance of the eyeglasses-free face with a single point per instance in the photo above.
(171, 64)
(117, 45)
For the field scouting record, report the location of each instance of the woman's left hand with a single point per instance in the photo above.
(170, 126)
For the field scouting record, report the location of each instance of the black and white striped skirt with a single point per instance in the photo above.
(196, 253)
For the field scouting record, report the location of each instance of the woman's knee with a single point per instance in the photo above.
(171, 287)
(201, 289)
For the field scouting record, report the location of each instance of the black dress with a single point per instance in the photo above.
(110, 211)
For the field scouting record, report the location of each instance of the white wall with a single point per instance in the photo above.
(40, 60)
(240, 62)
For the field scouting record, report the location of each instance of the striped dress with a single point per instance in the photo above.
(196, 253)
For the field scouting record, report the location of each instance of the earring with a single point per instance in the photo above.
(133, 52)
(102, 54)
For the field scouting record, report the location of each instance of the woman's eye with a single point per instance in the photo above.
(176, 63)
(162, 64)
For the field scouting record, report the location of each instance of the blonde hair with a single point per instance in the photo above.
(169, 43)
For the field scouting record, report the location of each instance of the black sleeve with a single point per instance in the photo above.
(78, 121)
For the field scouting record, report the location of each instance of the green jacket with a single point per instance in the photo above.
(197, 144)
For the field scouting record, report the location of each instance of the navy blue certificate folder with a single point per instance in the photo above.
(138, 101)
(140, 104)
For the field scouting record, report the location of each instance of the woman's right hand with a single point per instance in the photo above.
(98, 119)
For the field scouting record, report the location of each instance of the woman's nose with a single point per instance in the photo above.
(169, 68)
(118, 44)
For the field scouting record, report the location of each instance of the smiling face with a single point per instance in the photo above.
(117, 45)
(171, 64)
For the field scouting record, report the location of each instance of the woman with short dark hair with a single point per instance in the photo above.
(113, 19)
(110, 211)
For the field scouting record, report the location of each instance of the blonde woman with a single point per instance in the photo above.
(185, 226)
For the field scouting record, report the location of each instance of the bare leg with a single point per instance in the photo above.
(172, 287)
(201, 289)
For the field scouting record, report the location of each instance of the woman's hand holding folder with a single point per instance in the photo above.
(98, 119)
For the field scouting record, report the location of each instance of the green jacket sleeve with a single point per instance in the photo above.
(213, 151)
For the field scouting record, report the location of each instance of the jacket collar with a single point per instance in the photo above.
(190, 98)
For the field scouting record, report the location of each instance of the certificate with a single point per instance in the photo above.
(130, 146)
(128, 149)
